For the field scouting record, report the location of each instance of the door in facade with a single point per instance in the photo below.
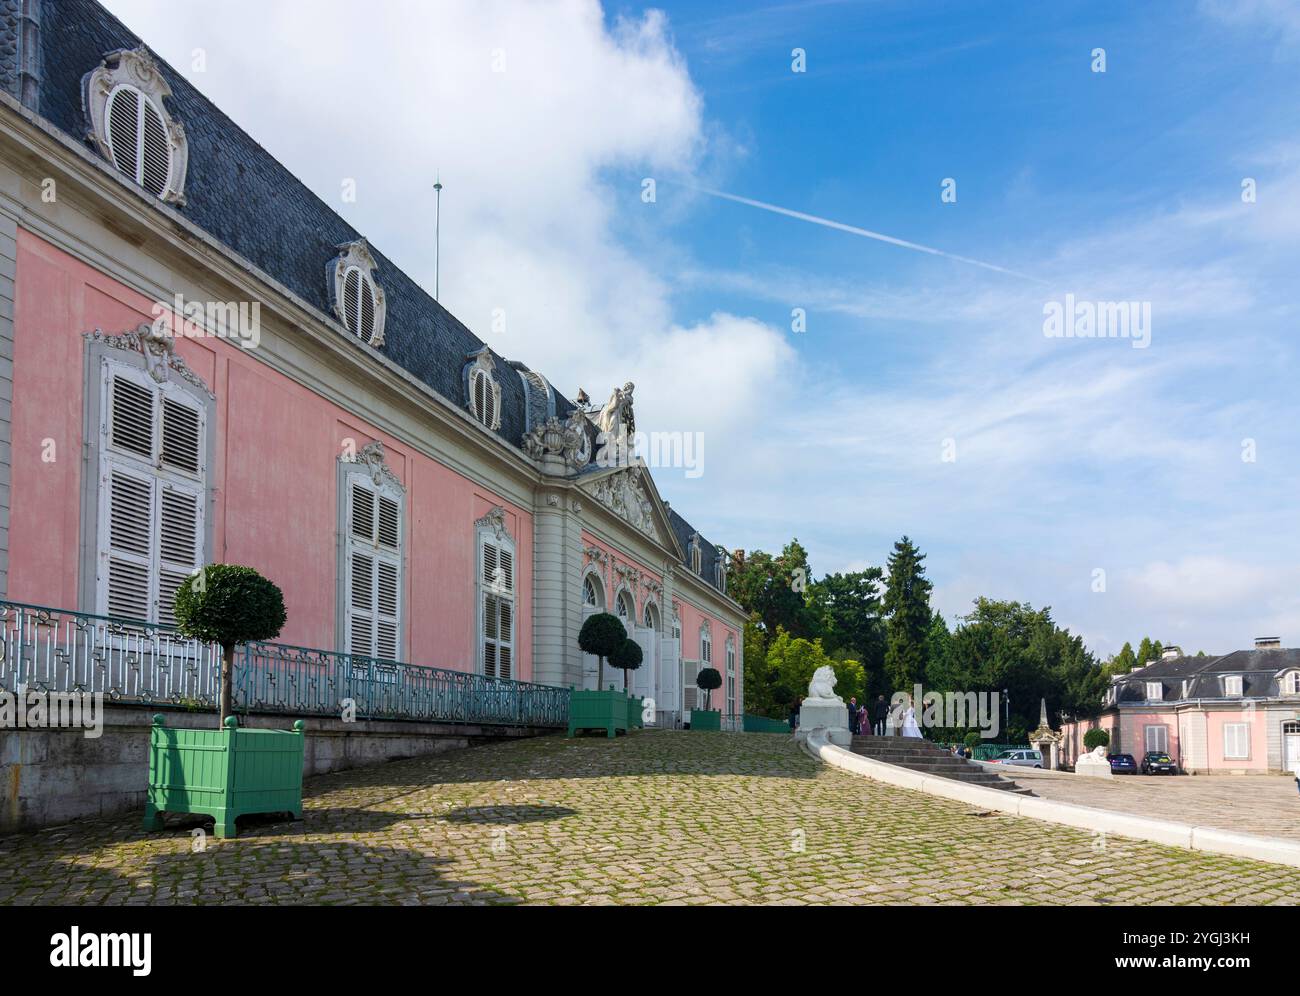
(669, 700)
(590, 662)
(1291, 747)
(643, 678)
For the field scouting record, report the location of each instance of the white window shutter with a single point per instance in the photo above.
(152, 495)
(373, 622)
(496, 607)
(131, 417)
(127, 522)
(180, 544)
(155, 150)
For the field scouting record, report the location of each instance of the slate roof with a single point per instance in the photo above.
(245, 199)
(1187, 678)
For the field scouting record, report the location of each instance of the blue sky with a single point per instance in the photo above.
(1072, 456)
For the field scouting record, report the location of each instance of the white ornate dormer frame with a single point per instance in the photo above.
(482, 361)
(356, 255)
(135, 68)
(720, 556)
(694, 554)
(159, 350)
(371, 458)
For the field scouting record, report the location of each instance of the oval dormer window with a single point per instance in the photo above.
(125, 103)
(485, 399)
(359, 304)
(137, 139)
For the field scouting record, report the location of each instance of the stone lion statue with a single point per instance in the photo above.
(822, 685)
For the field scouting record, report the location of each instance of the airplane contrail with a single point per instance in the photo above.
(855, 230)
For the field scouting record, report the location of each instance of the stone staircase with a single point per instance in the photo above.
(931, 759)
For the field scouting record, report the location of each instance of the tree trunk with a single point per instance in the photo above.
(600, 675)
(227, 682)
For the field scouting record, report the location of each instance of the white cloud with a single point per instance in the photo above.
(523, 110)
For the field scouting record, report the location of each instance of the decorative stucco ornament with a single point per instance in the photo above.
(495, 519)
(371, 456)
(566, 440)
(625, 495)
(159, 350)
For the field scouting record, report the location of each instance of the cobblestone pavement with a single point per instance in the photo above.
(1264, 804)
(657, 817)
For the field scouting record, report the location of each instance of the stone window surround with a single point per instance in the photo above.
(371, 461)
(137, 351)
(356, 255)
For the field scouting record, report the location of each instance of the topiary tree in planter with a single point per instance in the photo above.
(229, 604)
(627, 657)
(602, 635)
(972, 741)
(707, 680)
(1096, 738)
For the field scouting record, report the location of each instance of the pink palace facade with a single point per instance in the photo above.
(417, 496)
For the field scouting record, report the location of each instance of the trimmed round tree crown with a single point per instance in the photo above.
(1096, 738)
(229, 604)
(708, 679)
(628, 655)
(602, 635)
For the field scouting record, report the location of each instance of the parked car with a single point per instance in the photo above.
(1123, 764)
(1019, 758)
(1158, 762)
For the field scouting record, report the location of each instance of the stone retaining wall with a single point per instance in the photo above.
(49, 777)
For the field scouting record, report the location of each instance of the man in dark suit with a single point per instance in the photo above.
(879, 712)
(854, 726)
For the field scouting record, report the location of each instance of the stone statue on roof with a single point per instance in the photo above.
(616, 417)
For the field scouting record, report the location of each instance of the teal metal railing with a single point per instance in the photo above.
(133, 661)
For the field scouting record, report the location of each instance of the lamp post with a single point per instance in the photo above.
(1006, 706)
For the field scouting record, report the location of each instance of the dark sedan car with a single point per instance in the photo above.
(1123, 764)
(1158, 763)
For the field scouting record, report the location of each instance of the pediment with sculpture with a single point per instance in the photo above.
(627, 495)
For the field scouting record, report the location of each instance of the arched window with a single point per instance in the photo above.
(651, 615)
(1291, 684)
(706, 646)
(129, 124)
(625, 608)
(677, 626)
(591, 594)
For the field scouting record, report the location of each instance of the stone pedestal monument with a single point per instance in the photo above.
(1096, 764)
(1047, 741)
(825, 710)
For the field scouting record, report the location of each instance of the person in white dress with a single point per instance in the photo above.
(910, 729)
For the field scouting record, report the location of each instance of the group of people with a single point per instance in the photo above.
(869, 718)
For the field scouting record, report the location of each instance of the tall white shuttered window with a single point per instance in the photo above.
(151, 493)
(373, 567)
(496, 602)
(1236, 741)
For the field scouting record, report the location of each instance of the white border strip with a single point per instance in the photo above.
(1210, 839)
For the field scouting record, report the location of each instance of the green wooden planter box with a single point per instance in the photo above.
(634, 707)
(595, 710)
(225, 773)
(706, 719)
(761, 724)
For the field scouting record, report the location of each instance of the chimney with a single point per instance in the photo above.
(1268, 642)
(1134, 670)
(1171, 651)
